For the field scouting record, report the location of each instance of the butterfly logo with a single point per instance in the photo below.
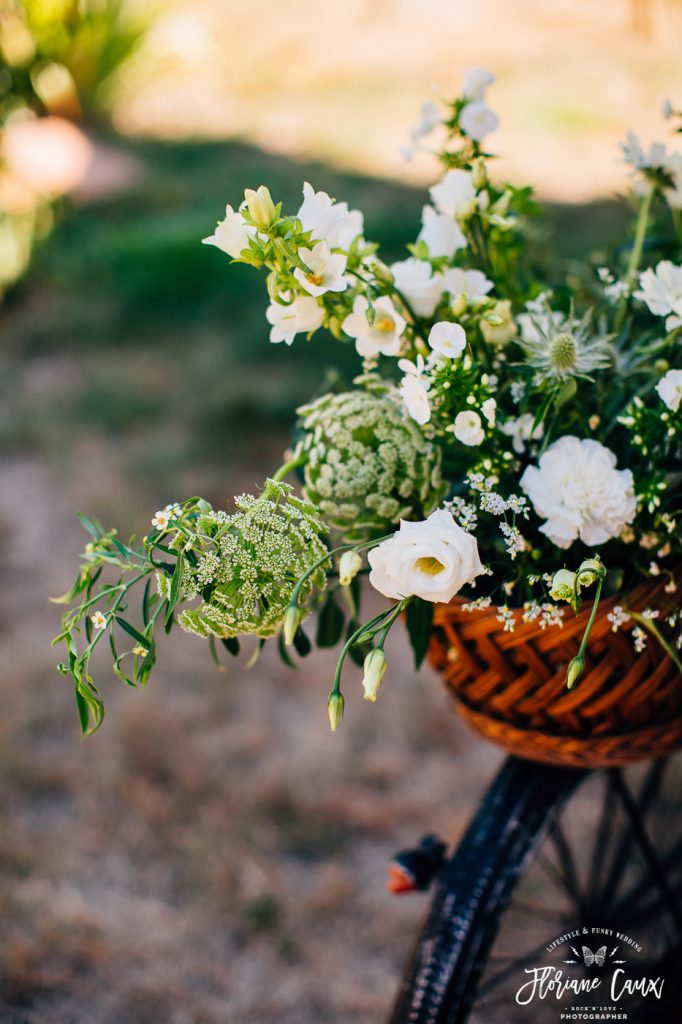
(598, 958)
(590, 959)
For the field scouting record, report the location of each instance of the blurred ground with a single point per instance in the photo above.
(342, 81)
(214, 854)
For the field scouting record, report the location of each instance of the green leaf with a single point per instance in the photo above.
(231, 644)
(358, 652)
(419, 616)
(176, 582)
(131, 631)
(301, 643)
(283, 652)
(329, 623)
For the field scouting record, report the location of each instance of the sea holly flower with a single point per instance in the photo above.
(432, 559)
(441, 234)
(565, 348)
(383, 335)
(669, 388)
(577, 489)
(327, 220)
(447, 339)
(325, 270)
(468, 428)
(416, 281)
(300, 316)
(478, 120)
(455, 194)
(661, 289)
(232, 234)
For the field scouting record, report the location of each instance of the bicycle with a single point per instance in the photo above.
(521, 846)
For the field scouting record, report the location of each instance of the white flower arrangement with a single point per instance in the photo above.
(478, 380)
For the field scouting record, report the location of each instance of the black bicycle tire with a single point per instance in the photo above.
(474, 889)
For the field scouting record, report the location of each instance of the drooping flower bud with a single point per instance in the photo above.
(375, 666)
(335, 706)
(563, 586)
(574, 671)
(591, 569)
(350, 565)
(260, 206)
(290, 623)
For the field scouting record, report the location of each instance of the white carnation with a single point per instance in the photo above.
(432, 559)
(578, 490)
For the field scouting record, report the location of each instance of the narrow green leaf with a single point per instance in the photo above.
(131, 631)
(302, 643)
(231, 644)
(284, 653)
(329, 623)
(176, 582)
(419, 620)
(358, 652)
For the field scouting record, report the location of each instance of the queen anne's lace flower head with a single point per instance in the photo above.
(243, 567)
(366, 465)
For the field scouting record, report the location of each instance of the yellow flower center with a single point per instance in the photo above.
(384, 323)
(429, 565)
(316, 279)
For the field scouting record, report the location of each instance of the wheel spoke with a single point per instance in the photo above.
(653, 862)
(568, 867)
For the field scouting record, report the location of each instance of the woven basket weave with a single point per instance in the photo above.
(510, 686)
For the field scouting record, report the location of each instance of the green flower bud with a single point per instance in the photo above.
(479, 175)
(563, 586)
(590, 570)
(350, 565)
(335, 706)
(374, 668)
(574, 671)
(260, 206)
(290, 623)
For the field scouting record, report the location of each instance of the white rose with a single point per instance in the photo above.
(478, 120)
(329, 221)
(432, 559)
(454, 194)
(442, 234)
(447, 339)
(468, 428)
(232, 234)
(421, 287)
(301, 316)
(670, 389)
(578, 490)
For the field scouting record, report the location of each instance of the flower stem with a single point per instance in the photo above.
(635, 256)
(287, 468)
(655, 631)
(677, 222)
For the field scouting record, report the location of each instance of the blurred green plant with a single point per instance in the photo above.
(62, 56)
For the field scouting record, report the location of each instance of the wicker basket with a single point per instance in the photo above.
(510, 686)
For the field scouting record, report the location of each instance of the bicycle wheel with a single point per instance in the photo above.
(553, 853)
